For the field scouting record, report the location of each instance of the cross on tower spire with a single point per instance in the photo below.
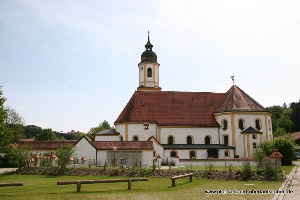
(232, 78)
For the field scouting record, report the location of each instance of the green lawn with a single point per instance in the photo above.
(44, 187)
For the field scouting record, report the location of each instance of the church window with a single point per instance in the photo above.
(189, 140)
(135, 138)
(224, 124)
(121, 138)
(154, 153)
(254, 145)
(225, 139)
(192, 155)
(173, 154)
(170, 139)
(149, 72)
(207, 140)
(226, 153)
(241, 124)
(254, 136)
(269, 124)
(257, 124)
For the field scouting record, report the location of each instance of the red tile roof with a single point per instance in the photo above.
(237, 100)
(45, 145)
(295, 135)
(172, 108)
(100, 145)
(109, 145)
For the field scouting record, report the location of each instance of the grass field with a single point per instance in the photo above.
(44, 187)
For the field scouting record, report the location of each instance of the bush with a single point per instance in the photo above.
(286, 147)
(270, 172)
(246, 171)
(64, 153)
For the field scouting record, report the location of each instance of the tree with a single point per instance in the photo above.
(276, 113)
(279, 132)
(32, 131)
(15, 124)
(18, 156)
(5, 137)
(285, 121)
(79, 135)
(64, 153)
(46, 135)
(102, 126)
(296, 115)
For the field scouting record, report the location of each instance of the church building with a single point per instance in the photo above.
(189, 126)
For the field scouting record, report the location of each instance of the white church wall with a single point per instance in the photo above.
(107, 138)
(198, 134)
(227, 131)
(138, 130)
(249, 120)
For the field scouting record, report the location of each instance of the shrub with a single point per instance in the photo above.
(64, 153)
(285, 145)
(270, 172)
(246, 171)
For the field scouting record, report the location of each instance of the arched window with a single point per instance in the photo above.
(189, 140)
(207, 140)
(192, 154)
(121, 138)
(170, 139)
(149, 72)
(241, 124)
(173, 154)
(224, 124)
(269, 124)
(226, 153)
(257, 124)
(135, 138)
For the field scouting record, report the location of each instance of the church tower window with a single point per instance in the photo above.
(149, 72)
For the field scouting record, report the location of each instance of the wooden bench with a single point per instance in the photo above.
(181, 176)
(10, 184)
(79, 182)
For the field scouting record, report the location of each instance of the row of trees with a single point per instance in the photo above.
(285, 119)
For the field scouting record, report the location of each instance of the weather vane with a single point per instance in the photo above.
(232, 78)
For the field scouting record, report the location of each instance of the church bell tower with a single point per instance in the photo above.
(148, 70)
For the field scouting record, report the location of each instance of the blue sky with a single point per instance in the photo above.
(69, 65)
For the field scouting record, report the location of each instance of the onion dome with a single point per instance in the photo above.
(148, 55)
